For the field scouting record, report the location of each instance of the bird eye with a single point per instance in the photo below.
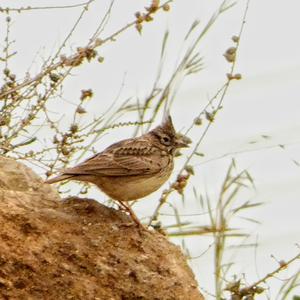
(166, 140)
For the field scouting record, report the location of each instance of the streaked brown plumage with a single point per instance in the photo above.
(133, 168)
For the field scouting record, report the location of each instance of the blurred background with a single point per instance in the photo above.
(257, 126)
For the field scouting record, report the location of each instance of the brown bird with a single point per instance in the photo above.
(133, 168)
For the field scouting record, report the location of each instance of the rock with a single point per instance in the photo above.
(80, 249)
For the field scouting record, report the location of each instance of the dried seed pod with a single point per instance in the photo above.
(139, 17)
(190, 169)
(74, 128)
(86, 94)
(230, 54)
(65, 151)
(12, 77)
(4, 120)
(229, 76)
(100, 59)
(148, 18)
(80, 110)
(166, 7)
(154, 6)
(210, 116)
(235, 39)
(98, 42)
(90, 53)
(238, 76)
(6, 72)
(198, 121)
(155, 3)
(54, 77)
(259, 289)
(63, 58)
(139, 27)
(55, 140)
(181, 183)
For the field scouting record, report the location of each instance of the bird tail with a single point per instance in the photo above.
(59, 178)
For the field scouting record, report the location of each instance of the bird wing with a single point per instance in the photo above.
(126, 159)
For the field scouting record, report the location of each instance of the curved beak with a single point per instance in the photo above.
(182, 141)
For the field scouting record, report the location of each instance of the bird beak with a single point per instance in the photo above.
(182, 141)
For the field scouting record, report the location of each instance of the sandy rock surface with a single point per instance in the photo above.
(79, 249)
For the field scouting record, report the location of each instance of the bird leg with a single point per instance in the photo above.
(133, 216)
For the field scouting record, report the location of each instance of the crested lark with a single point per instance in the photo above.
(133, 168)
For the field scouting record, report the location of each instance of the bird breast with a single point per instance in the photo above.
(126, 188)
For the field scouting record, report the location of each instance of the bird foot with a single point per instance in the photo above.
(133, 216)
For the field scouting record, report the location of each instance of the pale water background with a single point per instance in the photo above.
(265, 102)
